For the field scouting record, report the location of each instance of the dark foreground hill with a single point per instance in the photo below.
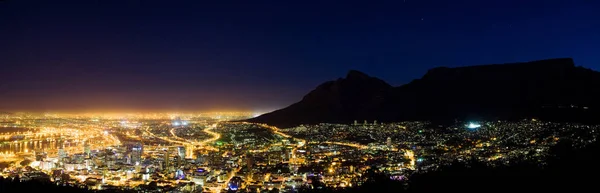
(553, 89)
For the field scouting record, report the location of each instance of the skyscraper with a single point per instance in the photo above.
(389, 142)
(136, 153)
(249, 161)
(86, 149)
(181, 152)
(166, 158)
(285, 155)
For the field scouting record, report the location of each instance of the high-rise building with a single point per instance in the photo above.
(138, 167)
(181, 152)
(128, 159)
(136, 153)
(389, 142)
(86, 149)
(178, 162)
(189, 152)
(249, 161)
(166, 158)
(62, 153)
(285, 155)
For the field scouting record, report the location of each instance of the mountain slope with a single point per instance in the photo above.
(341, 100)
(554, 89)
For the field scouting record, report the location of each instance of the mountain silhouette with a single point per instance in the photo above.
(552, 89)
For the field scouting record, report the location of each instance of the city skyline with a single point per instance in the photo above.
(299, 96)
(196, 56)
(201, 154)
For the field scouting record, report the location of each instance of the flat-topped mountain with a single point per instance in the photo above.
(553, 89)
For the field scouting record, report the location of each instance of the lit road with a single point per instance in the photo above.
(276, 131)
(178, 140)
(164, 138)
(354, 145)
(215, 135)
(172, 131)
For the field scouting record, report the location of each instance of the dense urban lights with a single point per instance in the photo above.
(201, 152)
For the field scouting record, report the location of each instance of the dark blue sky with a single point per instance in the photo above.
(260, 55)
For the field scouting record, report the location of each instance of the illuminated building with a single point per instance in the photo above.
(285, 155)
(40, 156)
(128, 159)
(47, 165)
(178, 162)
(399, 146)
(86, 148)
(136, 153)
(145, 176)
(249, 161)
(179, 174)
(201, 159)
(62, 154)
(166, 158)
(181, 152)
(389, 142)
(177, 122)
(235, 183)
(138, 167)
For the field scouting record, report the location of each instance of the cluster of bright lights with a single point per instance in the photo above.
(180, 123)
(473, 125)
(100, 116)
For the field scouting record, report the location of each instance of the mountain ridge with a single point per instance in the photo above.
(497, 91)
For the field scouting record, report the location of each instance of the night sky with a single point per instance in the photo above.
(119, 55)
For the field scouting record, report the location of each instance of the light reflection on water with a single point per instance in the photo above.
(29, 144)
(35, 145)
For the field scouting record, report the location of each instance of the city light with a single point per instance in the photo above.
(222, 152)
(473, 126)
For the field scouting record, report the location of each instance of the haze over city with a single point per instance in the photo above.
(299, 96)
